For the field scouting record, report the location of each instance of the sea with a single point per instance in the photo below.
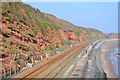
(115, 60)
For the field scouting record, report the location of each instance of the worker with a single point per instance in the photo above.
(46, 56)
(86, 51)
(18, 67)
(71, 45)
(41, 57)
(32, 61)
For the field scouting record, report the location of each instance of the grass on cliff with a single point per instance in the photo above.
(45, 27)
(50, 26)
(34, 31)
(28, 14)
(37, 21)
(7, 43)
(39, 48)
(8, 16)
(77, 33)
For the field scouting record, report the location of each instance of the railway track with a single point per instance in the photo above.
(52, 68)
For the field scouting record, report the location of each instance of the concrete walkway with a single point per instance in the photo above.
(79, 69)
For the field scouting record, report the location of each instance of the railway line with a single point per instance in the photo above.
(54, 67)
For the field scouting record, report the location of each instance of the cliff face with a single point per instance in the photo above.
(27, 30)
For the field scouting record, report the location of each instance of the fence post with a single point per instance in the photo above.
(14, 57)
(10, 70)
(39, 57)
(4, 73)
(15, 69)
(18, 56)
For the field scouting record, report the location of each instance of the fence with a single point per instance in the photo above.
(5, 73)
(18, 68)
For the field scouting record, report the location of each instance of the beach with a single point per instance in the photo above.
(108, 46)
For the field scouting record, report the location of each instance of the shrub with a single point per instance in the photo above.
(29, 61)
(9, 16)
(62, 43)
(17, 61)
(43, 41)
(28, 25)
(50, 47)
(57, 46)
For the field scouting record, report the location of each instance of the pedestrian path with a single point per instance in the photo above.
(79, 69)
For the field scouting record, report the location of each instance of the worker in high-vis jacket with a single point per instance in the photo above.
(41, 57)
(32, 61)
(46, 56)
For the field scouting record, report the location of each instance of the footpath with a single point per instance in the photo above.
(80, 68)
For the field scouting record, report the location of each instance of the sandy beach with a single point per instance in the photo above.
(108, 47)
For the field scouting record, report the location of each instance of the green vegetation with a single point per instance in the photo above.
(10, 27)
(56, 28)
(62, 42)
(43, 41)
(15, 50)
(42, 31)
(7, 43)
(57, 46)
(45, 26)
(78, 39)
(77, 33)
(22, 44)
(28, 25)
(50, 47)
(34, 31)
(29, 61)
(50, 27)
(18, 62)
(9, 16)
(37, 21)
(39, 48)
(28, 14)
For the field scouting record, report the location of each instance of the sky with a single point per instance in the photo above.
(99, 15)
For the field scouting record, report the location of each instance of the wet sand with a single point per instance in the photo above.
(108, 47)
